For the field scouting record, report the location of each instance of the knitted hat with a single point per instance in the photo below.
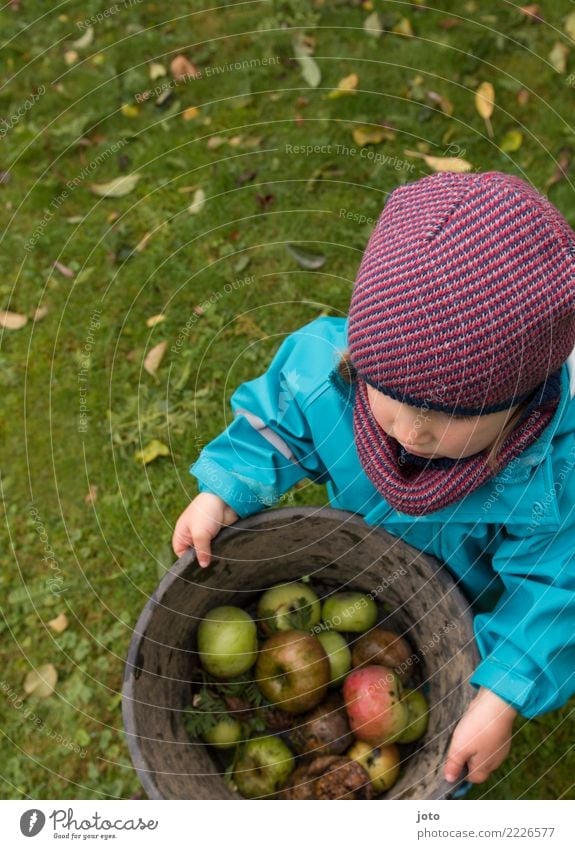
(465, 303)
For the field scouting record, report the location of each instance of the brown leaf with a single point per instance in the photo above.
(12, 320)
(155, 319)
(59, 624)
(41, 681)
(563, 165)
(92, 495)
(532, 11)
(155, 357)
(449, 23)
(64, 270)
(522, 96)
(40, 312)
(443, 102)
(182, 69)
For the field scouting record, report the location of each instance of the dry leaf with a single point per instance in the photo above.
(198, 202)
(215, 142)
(12, 320)
(92, 494)
(85, 40)
(558, 57)
(522, 96)
(116, 188)
(153, 449)
(444, 104)
(442, 163)
(372, 25)
(63, 269)
(532, 11)
(41, 681)
(59, 624)
(155, 319)
(40, 312)
(182, 69)
(372, 134)
(70, 57)
(155, 357)
(484, 103)
(403, 27)
(190, 113)
(569, 25)
(562, 170)
(345, 86)
(156, 70)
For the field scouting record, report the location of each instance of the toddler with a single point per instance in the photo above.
(442, 410)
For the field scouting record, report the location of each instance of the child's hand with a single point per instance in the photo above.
(200, 522)
(482, 738)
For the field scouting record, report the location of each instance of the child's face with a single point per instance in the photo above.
(431, 434)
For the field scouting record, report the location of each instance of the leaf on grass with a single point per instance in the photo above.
(242, 263)
(40, 312)
(569, 25)
(198, 202)
(309, 68)
(372, 25)
(532, 11)
(12, 320)
(562, 170)
(444, 103)
(485, 100)
(156, 70)
(403, 28)
(442, 163)
(63, 269)
(155, 357)
(345, 86)
(190, 113)
(372, 134)
(306, 259)
(41, 681)
(92, 494)
(151, 452)
(70, 57)
(558, 57)
(155, 319)
(85, 40)
(182, 69)
(129, 110)
(511, 141)
(59, 624)
(215, 142)
(117, 188)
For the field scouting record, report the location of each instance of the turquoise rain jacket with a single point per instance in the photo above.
(510, 543)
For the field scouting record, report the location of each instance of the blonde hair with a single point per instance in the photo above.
(348, 373)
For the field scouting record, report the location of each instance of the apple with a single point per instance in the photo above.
(292, 671)
(288, 606)
(349, 611)
(263, 767)
(338, 653)
(381, 764)
(417, 716)
(383, 647)
(227, 642)
(225, 734)
(372, 696)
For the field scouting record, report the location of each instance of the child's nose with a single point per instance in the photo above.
(410, 426)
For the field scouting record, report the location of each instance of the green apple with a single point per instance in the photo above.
(292, 671)
(288, 606)
(382, 764)
(263, 767)
(225, 734)
(349, 611)
(338, 654)
(417, 716)
(227, 642)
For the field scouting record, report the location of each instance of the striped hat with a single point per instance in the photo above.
(465, 303)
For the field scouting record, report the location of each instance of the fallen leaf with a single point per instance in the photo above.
(246, 177)
(92, 494)
(306, 259)
(198, 202)
(569, 25)
(345, 86)
(558, 57)
(144, 241)
(12, 320)
(85, 40)
(59, 624)
(117, 188)
(511, 141)
(484, 103)
(182, 69)
(242, 263)
(532, 11)
(155, 357)
(522, 96)
(156, 70)
(215, 142)
(372, 25)
(64, 270)
(235, 141)
(309, 68)
(40, 312)
(265, 200)
(444, 103)
(41, 681)
(403, 28)
(70, 57)
(372, 134)
(129, 110)
(152, 450)
(442, 163)
(155, 319)
(562, 170)
(449, 23)
(190, 113)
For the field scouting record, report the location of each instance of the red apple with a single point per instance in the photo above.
(372, 697)
(383, 647)
(293, 671)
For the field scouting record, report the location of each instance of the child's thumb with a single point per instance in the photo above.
(454, 765)
(203, 549)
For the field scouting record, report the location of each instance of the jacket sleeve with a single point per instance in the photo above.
(269, 445)
(527, 643)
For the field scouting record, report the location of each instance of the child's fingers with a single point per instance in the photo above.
(454, 765)
(203, 549)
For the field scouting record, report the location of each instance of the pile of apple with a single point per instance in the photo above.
(336, 707)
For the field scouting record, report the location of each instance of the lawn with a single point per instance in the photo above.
(147, 202)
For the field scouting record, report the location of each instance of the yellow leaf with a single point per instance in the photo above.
(129, 110)
(155, 357)
(372, 25)
(569, 25)
(485, 100)
(345, 86)
(59, 624)
(155, 319)
(190, 113)
(116, 188)
(558, 57)
(403, 27)
(371, 134)
(152, 450)
(12, 320)
(511, 141)
(41, 681)
(198, 202)
(70, 57)
(448, 163)
(156, 71)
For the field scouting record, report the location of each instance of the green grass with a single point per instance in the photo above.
(110, 554)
